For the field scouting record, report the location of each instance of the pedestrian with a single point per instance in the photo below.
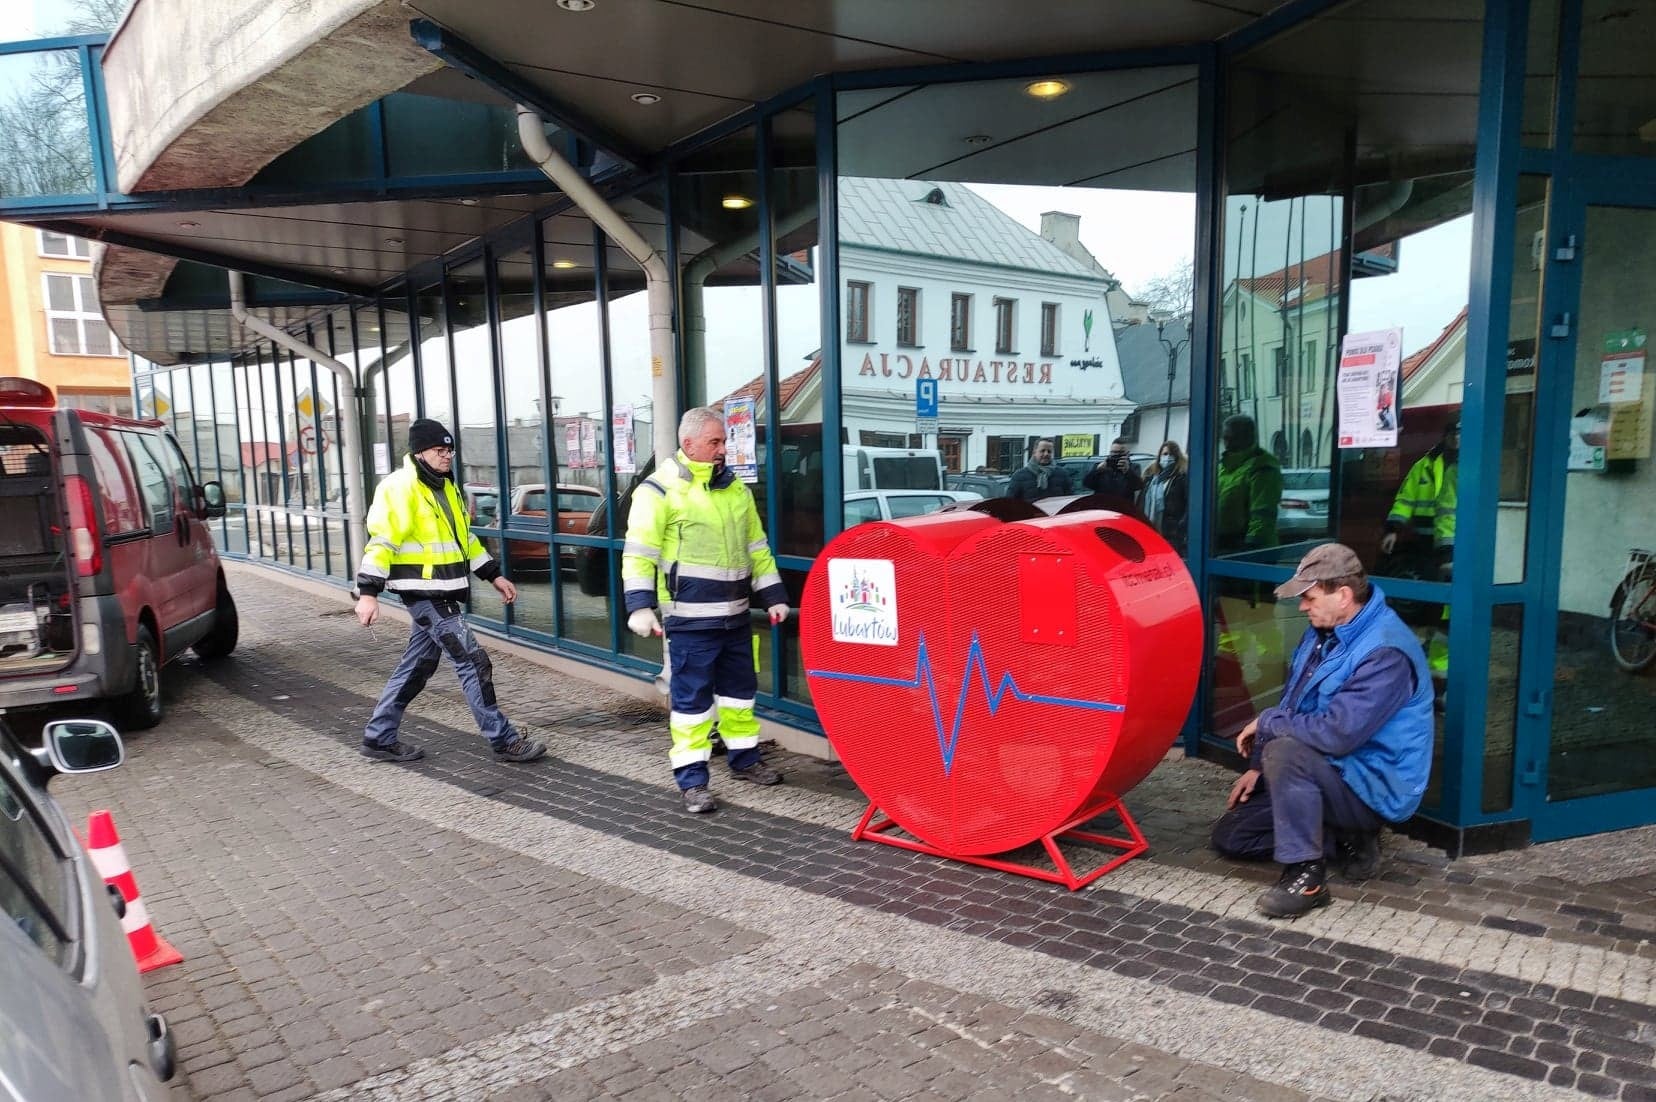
(421, 548)
(1040, 477)
(1250, 489)
(1115, 475)
(695, 549)
(1425, 509)
(1348, 749)
(1166, 500)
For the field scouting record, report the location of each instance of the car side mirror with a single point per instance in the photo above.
(80, 746)
(211, 499)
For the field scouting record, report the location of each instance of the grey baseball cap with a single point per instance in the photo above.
(1323, 563)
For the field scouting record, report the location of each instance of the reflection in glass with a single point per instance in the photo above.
(1522, 369)
(1602, 737)
(1540, 71)
(1506, 637)
(586, 616)
(795, 685)
(528, 503)
(1255, 637)
(799, 457)
(45, 142)
(579, 434)
(477, 458)
(486, 602)
(1617, 76)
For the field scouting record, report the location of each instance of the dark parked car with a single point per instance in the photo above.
(983, 484)
(73, 1024)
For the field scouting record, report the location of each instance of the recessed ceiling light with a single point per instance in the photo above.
(577, 5)
(977, 139)
(562, 264)
(393, 241)
(1046, 89)
(337, 271)
(468, 202)
(735, 202)
(189, 225)
(645, 98)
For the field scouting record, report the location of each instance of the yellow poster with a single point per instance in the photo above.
(1076, 446)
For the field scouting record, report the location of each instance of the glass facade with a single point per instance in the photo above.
(1042, 260)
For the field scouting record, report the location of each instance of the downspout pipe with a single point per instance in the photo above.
(356, 534)
(658, 277)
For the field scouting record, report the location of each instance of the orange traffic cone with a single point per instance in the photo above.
(104, 846)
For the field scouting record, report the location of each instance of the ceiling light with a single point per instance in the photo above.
(468, 202)
(562, 264)
(977, 139)
(1046, 89)
(645, 98)
(735, 202)
(337, 271)
(577, 5)
(189, 225)
(393, 241)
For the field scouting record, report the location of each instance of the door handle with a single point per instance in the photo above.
(1560, 326)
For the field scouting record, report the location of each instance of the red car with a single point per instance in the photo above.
(107, 568)
(575, 505)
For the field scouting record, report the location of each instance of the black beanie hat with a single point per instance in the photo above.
(426, 433)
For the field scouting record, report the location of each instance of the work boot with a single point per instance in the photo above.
(699, 800)
(393, 751)
(1357, 855)
(520, 749)
(757, 773)
(1300, 891)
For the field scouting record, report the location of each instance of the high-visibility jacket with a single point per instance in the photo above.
(1250, 489)
(695, 549)
(1426, 500)
(414, 548)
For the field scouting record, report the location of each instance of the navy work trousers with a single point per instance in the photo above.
(713, 681)
(440, 629)
(1294, 805)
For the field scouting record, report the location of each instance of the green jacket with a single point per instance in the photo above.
(696, 549)
(1426, 500)
(1250, 488)
(416, 549)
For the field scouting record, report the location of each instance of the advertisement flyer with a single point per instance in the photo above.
(1370, 389)
(1623, 393)
(572, 444)
(589, 443)
(621, 429)
(741, 439)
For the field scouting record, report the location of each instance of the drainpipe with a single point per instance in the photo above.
(658, 279)
(356, 534)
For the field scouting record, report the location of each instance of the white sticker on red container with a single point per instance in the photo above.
(863, 596)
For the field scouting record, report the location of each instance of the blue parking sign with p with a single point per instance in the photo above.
(925, 397)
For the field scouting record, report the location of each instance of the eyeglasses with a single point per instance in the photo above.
(442, 449)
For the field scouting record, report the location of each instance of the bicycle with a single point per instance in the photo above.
(1633, 613)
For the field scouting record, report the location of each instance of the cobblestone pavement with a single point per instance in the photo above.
(461, 928)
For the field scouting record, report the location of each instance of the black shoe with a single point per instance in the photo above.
(716, 744)
(699, 800)
(1357, 855)
(1300, 891)
(520, 749)
(396, 751)
(757, 773)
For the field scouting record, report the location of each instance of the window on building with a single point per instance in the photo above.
(960, 323)
(1310, 368)
(61, 244)
(73, 325)
(952, 448)
(908, 317)
(1005, 324)
(1130, 427)
(1245, 376)
(856, 310)
(1049, 329)
(1279, 371)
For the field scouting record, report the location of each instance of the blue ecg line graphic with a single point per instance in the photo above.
(974, 658)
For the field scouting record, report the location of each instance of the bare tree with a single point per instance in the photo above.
(1171, 293)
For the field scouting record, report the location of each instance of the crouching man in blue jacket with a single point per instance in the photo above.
(1348, 749)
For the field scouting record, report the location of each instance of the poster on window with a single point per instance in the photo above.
(589, 443)
(741, 439)
(1370, 388)
(572, 444)
(621, 428)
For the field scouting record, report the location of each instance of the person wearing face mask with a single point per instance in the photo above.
(1167, 496)
(697, 554)
(1424, 510)
(1116, 476)
(421, 548)
(1040, 477)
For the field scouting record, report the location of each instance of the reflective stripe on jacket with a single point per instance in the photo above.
(696, 549)
(412, 547)
(1426, 500)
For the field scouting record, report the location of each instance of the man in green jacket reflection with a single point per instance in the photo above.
(1250, 488)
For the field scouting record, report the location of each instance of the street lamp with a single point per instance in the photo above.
(1173, 350)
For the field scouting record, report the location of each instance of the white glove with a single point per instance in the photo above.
(644, 624)
(778, 613)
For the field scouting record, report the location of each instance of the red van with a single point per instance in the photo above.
(107, 567)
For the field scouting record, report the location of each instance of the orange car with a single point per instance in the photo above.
(575, 506)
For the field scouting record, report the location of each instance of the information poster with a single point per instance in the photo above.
(1622, 391)
(622, 430)
(572, 444)
(741, 439)
(1077, 445)
(1370, 388)
(589, 443)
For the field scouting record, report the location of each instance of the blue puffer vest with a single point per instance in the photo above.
(1389, 771)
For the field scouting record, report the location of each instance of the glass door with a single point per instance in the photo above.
(1597, 411)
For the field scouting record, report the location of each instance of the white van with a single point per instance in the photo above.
(868, 468)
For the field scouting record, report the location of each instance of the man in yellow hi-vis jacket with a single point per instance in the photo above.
(695, 550)
(1425, 507)
(421, 548)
